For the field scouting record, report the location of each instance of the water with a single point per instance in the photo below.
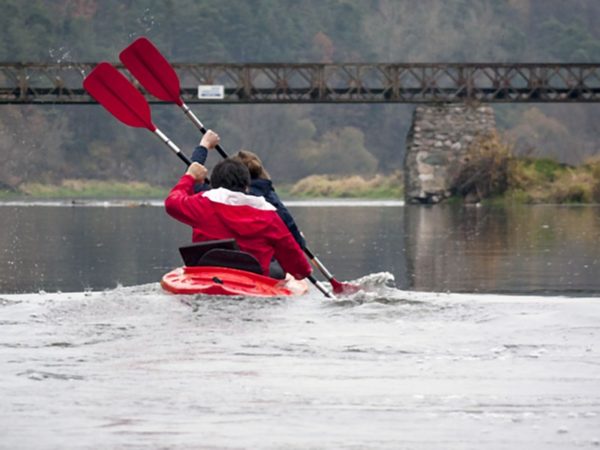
(402, 364)
(522, 250)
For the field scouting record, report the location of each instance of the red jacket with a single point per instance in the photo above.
(250, 220)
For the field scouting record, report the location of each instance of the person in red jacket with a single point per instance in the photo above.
(227, 211)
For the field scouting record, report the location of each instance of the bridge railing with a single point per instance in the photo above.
(329, 83)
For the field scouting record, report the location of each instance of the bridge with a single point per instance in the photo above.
(35, 83)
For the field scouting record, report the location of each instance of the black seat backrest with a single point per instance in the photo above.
(234, 259)
(191, 254)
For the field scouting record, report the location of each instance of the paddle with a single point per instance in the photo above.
(156, 74)
(338, 287)
(120, 98)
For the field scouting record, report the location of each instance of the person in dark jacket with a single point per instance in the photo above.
(260, 183)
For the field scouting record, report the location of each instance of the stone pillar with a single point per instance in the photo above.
(436, 148)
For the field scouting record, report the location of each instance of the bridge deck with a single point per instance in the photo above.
(22, 83)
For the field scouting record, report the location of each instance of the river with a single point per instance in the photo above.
(477, 328)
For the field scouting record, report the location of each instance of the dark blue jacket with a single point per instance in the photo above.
(258, 187)
(199, 156)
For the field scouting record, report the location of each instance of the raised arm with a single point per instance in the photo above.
(178, 202)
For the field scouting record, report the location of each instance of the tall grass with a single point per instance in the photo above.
(92, 189)
(354, 186)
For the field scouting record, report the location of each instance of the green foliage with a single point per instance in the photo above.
(547, 181)
(294, 141)
(593, 165)
(492, 171)
(548, 169)
(570, 41)
(337, 152)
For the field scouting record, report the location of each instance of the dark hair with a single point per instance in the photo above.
(230, 174)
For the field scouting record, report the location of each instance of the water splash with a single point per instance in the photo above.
(146, 23)
(376, 280)
(60, 54)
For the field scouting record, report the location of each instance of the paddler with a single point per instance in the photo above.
(227, 211)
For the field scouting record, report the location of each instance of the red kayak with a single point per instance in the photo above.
(227, 281)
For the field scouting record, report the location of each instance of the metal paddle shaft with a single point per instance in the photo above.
(338, 287)
(173, 147)
(320, 286)
(120, 98)
(158, 77)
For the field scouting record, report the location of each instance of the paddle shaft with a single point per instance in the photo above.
(190, 114)
(172, 147)
(318, 264)
(320, 286)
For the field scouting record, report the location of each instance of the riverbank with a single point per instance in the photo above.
(85, 189)
(546, 181)
(317, 186)
(501, 178)
(493, 172)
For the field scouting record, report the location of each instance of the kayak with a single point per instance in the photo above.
(215, 280)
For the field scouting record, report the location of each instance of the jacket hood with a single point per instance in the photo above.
(243, 214)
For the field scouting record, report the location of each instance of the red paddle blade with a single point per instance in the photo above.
(152, 70)
(120, 98)
(343, 288)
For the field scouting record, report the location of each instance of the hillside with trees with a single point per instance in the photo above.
(50, 143)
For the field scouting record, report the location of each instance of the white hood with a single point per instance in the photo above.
(233, 198)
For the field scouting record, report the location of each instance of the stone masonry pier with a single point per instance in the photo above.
(436, 148)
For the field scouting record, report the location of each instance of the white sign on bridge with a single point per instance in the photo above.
(211, 92)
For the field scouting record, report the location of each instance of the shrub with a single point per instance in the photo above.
(548, 181)
(486, 169)
(594, 166)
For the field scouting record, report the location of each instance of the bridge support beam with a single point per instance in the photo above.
(436, 148)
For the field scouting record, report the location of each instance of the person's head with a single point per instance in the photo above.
(230, 174)
(253, 163)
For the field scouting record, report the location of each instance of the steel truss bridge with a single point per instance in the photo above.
(33, 83)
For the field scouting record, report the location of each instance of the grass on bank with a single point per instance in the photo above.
(353, 186)
(377, 187)
(86, 189)
(546, 181)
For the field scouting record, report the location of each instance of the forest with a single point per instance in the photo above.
(49, 143)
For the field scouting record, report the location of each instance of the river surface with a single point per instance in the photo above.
(476, 328)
